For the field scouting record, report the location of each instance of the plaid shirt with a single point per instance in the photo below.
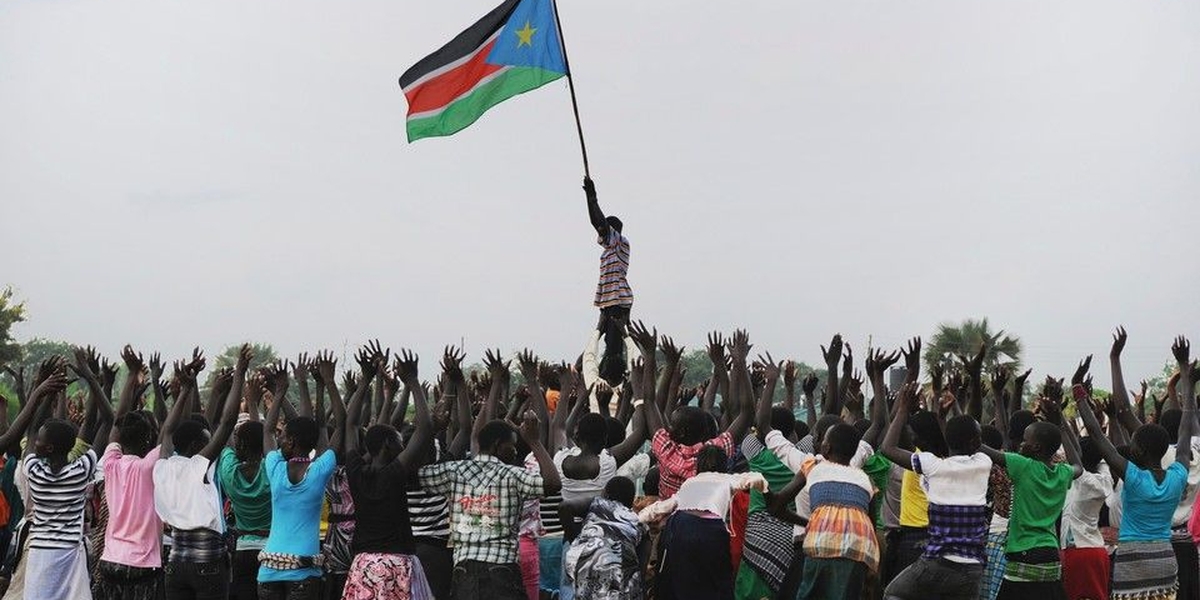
(486, 497)
(957, 531)
(677, 462)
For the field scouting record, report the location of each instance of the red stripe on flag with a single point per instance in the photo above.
(448, 86)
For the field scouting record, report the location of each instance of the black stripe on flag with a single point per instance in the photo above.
(464, 44)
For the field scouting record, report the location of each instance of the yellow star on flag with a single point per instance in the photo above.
(525, 36)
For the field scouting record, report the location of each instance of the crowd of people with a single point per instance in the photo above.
(554, 481)
(604, 478)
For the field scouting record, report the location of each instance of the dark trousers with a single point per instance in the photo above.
(438, 562)
(122, 582)
(936, 579)
(795, 574)
(613, 320)
(476, 580)
(333, 586)
(245, 575)
(1189, 579)
(695, 562)
(305, 589)
(197, 580)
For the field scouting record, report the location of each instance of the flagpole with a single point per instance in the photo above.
(562, 40)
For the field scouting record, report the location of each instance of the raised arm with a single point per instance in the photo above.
(185, 380)
(300, 371)
(832, 355)
(720, 377)
(531, 370)
(160, 386)
(877, 364)
(594, 213)
(973, 367)
(1120, 397)
(891, 440)
(569, 387)
(1053, 413)
(647, 343)
(48, 388)
(229, 410)
(96, 398)
(1083, 403)
(1187, 396)
(530, 432)
(740, 348)
(272, 418)
(136, 373)
(762, 416)
(411, 456)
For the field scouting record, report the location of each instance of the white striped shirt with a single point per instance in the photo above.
(428, 514)
(58, 500)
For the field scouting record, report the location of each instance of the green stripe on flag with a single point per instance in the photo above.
(466, 110)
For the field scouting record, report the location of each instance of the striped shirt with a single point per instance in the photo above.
(428, 514)
(58, 500)
(613, 289)
(551, 524)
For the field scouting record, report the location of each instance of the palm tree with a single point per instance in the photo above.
(951, 340)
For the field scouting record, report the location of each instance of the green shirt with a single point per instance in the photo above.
(762, 460)
(1038, 492)
(250, 499)
(878, 467)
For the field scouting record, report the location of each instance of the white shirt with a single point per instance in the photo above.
(575, 489)
(1184, 511)
(955, 480)
(1081, 510)
(705, 492)
(185, 493)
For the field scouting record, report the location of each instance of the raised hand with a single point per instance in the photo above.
(647, 341)
(156, 366)
(789, 374)
(133, 360)
(1081, 370)
(108, 375)
(672, 352)
(1182, 350)
(452, 358)
(834, 353)
(196, 365)
(1051, 410)
(1119, 339)
(367, 363)
(1000, 378)
(945, 403)
(406, 367)
(937, 374)
(1053, 389)
(974, 365)
(245, 355)
(530, 430)
(739, 345)
(810, 383)
(302, 367)
(907, 399)
(324, 368)
(716, 348)
(529, 365)
(1019, 383)
(912, 358)
(770, 368)
(222, 380)
(276, 376)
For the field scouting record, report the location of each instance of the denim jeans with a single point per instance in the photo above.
(475, 580)
(936, 579)
(305, 589)
(196, 580)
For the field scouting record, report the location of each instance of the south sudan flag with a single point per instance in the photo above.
(512, 50)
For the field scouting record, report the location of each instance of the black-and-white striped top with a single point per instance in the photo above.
(428, 514)
(58, 500)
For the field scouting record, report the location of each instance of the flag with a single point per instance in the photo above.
(510, 51)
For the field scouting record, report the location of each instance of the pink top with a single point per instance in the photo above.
(134, 533)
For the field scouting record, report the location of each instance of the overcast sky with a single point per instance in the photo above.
(182, 173)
